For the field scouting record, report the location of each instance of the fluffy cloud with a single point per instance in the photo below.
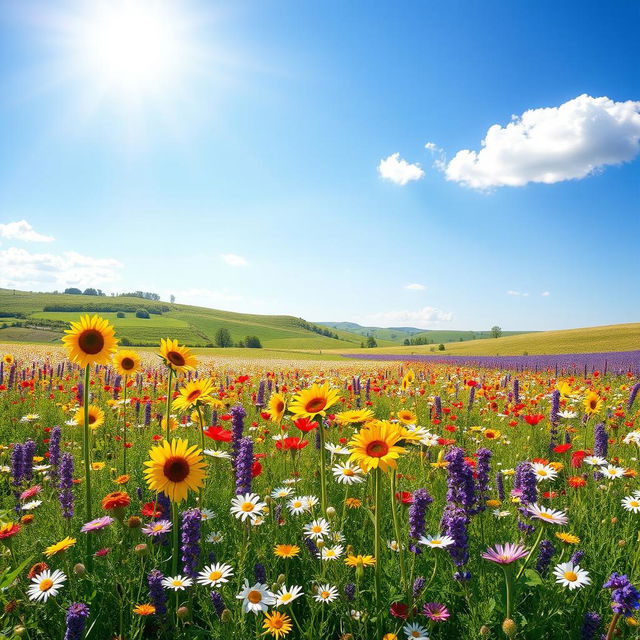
(234, 260)
(517, 294)
(21, 269)
(398, 170)
(545, 294)
(552, 144)
(422, 318)
(22, 230)
(415, 287)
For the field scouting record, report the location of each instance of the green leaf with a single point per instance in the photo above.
(532, 578)
(8, 578)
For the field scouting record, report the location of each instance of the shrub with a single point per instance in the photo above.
(120, 314)
(142, 313)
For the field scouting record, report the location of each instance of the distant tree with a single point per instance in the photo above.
(125, 342)
(252, 342)
(362, 345)
(441, 347)
(90, 292)
(172, 298)
(142, 313)
(371, 342)
(73, 291)
(496, 331)
(223, 338)
(240, 344)
(406, 342)
(120, 314)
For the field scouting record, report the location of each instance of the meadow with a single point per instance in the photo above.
(300, 499)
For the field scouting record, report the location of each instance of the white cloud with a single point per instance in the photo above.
(517, 294)
(46, 271)
(22, 230)
(398, 170)
(234, 260)
(545, 294)
(415, 287)
(204, 297)
(422, 318)
(552, 144)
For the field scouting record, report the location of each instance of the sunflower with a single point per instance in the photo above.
(126, 363)
(374, 446)
(63, 545)
(175, 468)
(313, 401)
(277, 406)
(177, 357)
(96, 416)
(407, 417)
(277, 624)
(355, 416)
(90, 341)
(194, 393)
(592, 403)
(8, 359)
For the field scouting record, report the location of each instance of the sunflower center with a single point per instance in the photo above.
(127, 364)
(92, 418)
(194, 394)
(176, 358)
(315, 404)
(215, 575)
(280, 407)
(254, 597)
(91, 341)
(377, 448)
(46, 584)
(176, 469)
(593, 404)
(570, 576)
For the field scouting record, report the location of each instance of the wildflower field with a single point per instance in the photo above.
(169, 495)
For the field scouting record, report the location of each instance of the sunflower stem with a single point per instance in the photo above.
(376, 531)
(323, 485)
(168, 416)
(176, 540)
(201, 425)
(396, 527)
(87, 462)
(124, 419)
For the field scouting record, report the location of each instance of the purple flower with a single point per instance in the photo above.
(17, 463)
(516, 390)
(260, 573)
(237, 427)
(417, 511)
(97, 524)
(28, 451)
(590, 625)
(66, 485)
(454, 524)
(54, 454)
(525, 483)
(577, 556)
(472, 396)
(483, 468)
(147, 414)
(350, 591)
(77, 615)
(157, 528)
(218, 603)
(625, 598)
(190, 538)
(601, 441)
(437, 406)
(418, 586)
(157, 594)
(632, 395)
(546, 550)
(244, 465)
(459, 480)
(435, 611)
(505, 554)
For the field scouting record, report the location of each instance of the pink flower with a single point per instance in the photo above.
(505, 554)
(435, 611)
(30, 492)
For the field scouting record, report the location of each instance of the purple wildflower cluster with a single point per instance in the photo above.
(417, 511)
(157, 594)
(77, 615)
(625, 598)
(244, 465)
(190, 538)
(66, 485)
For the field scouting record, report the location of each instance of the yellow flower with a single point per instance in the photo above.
(407, 417)
(314, 401)
(558, 466)
(173, 424)
(126, 363)
(491, 434)
(90, 341)
(355, 416)
(359, 561)
(374, 446)
(194, 393)
(277, 406)
(8, 359)
(63, 545)
(569, 538)
(277, 624)
(592, 403)
(286, 550)
(144, 609)
(175, 468)
(96, 416)
(493, 503)
(123, 479)
(353, 503)
(177, 357)
(97, 466)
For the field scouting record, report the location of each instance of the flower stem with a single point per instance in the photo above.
(87, 462)
(201, 426)
(124, 418)
(376, 532)
(612, 626)
(176, 546)
(323, 484)
(533, 549)
(168, 416)
(508, 585)
(396, 527)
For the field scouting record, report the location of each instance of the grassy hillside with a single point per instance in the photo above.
(617, 337)
(399, 334)
(189, 324)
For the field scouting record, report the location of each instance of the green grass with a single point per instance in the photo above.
(617, 337)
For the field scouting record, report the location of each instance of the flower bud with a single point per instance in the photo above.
(509, 627)
(183, 612)
(226, 616)
(622, 543)
(79, 569)
(320, 544)
(141, 549)
(134, 522)
(281, 579)
(331, 512)
(19, 630)
(484, 630)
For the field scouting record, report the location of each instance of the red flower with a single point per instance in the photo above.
(534, 419)
(256, 469)
(218, 433)
(294, 444)
(151, 510)
(265, 415)
(305, 424)
(405, 497)
(399, 610)
(562, 448)
(226, 416)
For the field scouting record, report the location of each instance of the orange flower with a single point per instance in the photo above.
(123, 479)
(37, 568)
(576, 482)
(115, 500)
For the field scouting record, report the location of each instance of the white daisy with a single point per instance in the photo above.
(414, 631)
(291, 480)
(544, 471)
(215, 537)
(28, 506)
(310, 502)
(177, 583)
(247, 506)
(393, 545)
(215, 574)
(633, 437)
(571, 575)
(347, 473)
(317, 529)
(612, 471)
(45, 584)
(217, 453)
(336, 449)
(207, 514)
(296, 505)
(41, 467)
(436, 542)
(286, 595)
(331, 553)
(547, 515)
(567, 415)
(594, 461)
(500, 514)
(256, 598)
(325, 593)
(281, 492)
(631, 503)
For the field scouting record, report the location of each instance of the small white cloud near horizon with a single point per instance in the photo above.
(545, 294)
(517, 294)
(21, 269)
(414, 286)
(552, 144)
(398, 170)
(422, 318)
(234, 260)
(22, 230)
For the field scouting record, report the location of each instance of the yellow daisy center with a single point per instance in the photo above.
(46, 584)
(570, 576)
(215, 575)
(247, 507)
(254, 597)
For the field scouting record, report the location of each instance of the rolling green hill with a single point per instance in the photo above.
(617, 337)
(192, 325)
(400, 334)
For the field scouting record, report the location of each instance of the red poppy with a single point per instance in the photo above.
(265, 415)
(534, 419)
(399, 610)
(405, 497)
(562, 448)
(151, 510)
(256, 469)
(226, 416)
(218, 433)
(305, 424)
(289, 444)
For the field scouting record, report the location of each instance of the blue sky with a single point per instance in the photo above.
(247, 175)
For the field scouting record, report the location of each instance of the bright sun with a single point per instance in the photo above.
(133, 48)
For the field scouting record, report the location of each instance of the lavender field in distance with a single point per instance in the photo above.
(564, 363)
